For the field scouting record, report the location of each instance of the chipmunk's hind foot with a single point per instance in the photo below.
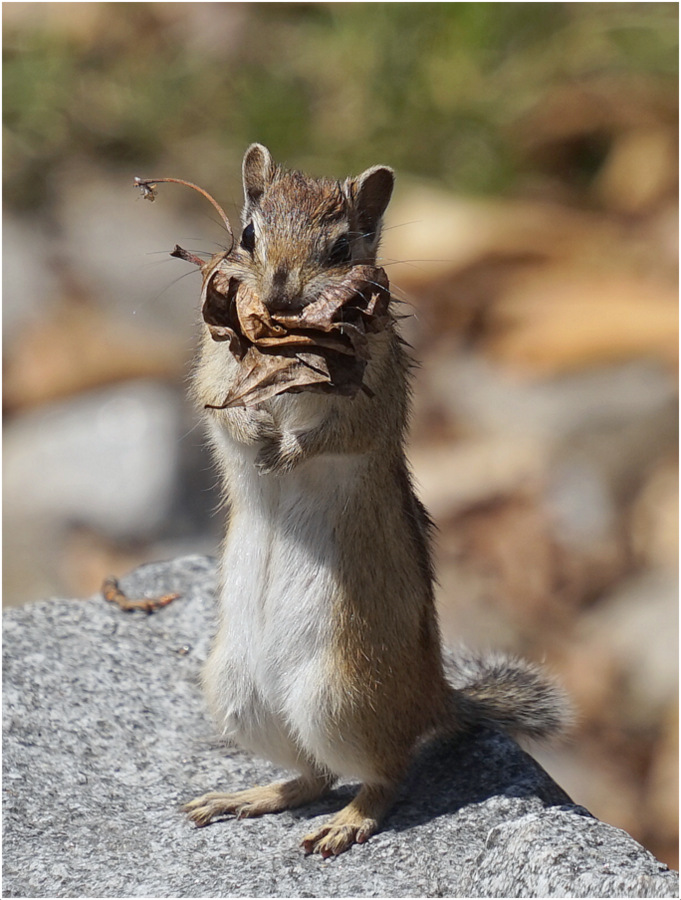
(354, 824)
(257, 801)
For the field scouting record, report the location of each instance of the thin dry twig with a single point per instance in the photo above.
(148, 188)
(180, 253)
(112, 592)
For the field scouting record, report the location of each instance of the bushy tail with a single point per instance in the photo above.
(507, 693)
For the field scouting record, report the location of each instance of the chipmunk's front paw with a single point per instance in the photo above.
(242, 804)
(268, 460)
(278, 457)
(258, 801)
(204, 809)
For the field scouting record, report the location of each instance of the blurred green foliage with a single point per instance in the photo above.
(431, 88)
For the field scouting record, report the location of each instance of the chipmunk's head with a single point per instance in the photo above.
(301, 233)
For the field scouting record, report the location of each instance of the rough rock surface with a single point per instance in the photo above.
(106, 735)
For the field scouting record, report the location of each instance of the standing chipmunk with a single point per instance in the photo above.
(327, 659)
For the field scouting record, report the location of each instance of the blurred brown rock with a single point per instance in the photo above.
(76, 347)
(560, 319)
(662, 788)
(655, 517)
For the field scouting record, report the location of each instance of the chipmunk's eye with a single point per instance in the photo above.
(248, 238)
(341, 252)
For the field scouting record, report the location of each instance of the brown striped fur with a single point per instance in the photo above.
(333, 666)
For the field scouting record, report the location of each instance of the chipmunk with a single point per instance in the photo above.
(328, 658)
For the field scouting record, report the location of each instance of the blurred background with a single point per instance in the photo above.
(532, 236)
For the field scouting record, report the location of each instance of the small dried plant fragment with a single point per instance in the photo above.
(112, 592)
(147, 188)
(322, 347)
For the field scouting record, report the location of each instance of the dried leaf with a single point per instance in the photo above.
(219, 312)
(264, 375)
(254, 318)
(322, 347)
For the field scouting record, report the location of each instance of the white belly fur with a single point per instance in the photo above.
(266, 674)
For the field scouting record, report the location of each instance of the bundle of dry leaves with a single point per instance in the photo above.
(321, 347)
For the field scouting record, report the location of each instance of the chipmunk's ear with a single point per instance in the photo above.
(258, 171)
(372, 191)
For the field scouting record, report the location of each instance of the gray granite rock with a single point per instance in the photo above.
(106, 735)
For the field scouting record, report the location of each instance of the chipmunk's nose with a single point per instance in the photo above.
(284, 294)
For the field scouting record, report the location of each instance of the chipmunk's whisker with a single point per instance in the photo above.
(401, 225)
(394, 262)
(222, 226)
(396, 287)
(170, 284)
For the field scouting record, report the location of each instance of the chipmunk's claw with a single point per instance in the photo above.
(332, 840)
